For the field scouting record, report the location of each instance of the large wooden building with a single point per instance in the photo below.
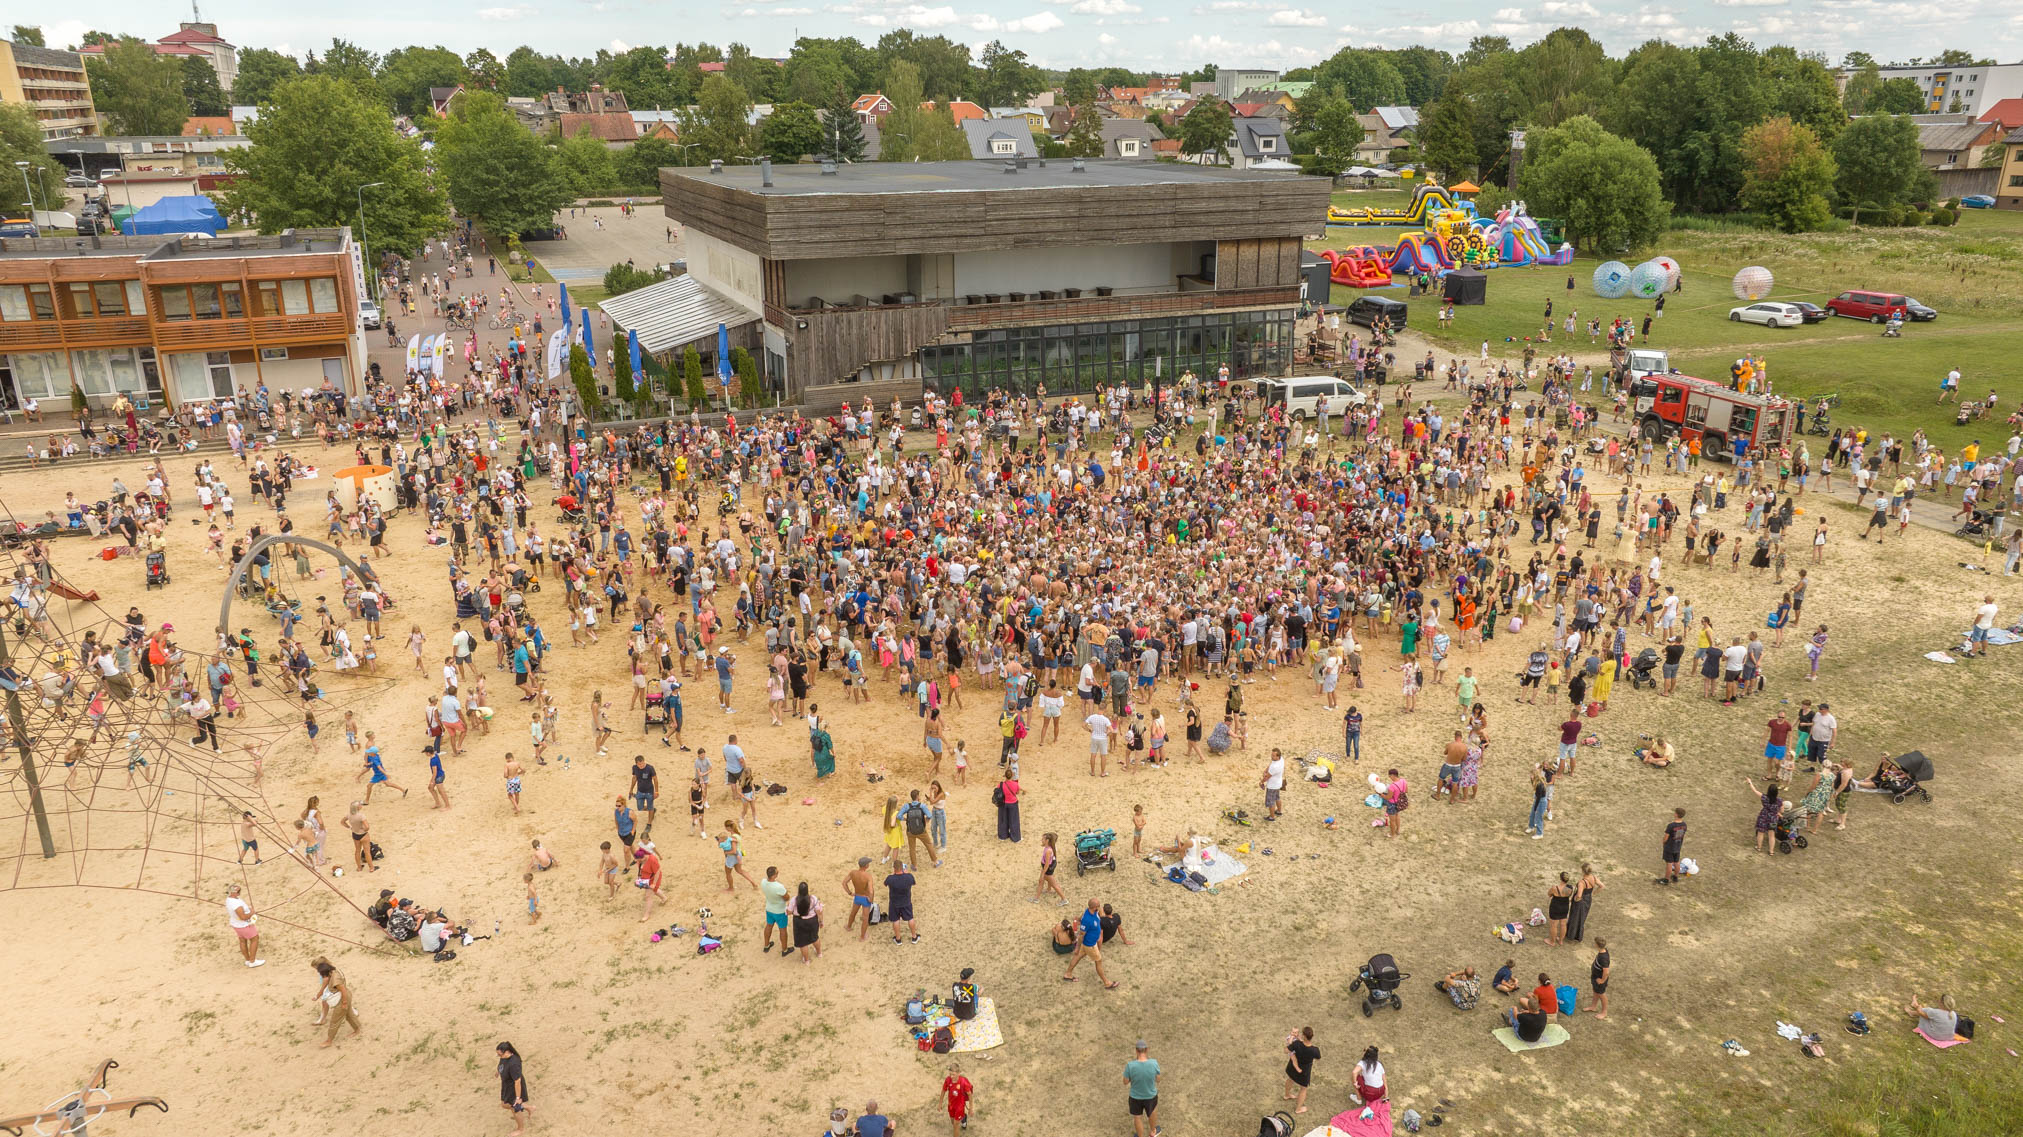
(1011, 275)
(174, 320)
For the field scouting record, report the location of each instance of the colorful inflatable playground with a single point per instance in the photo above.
(1452, 235)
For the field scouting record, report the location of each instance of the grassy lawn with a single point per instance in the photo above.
(1972, 274)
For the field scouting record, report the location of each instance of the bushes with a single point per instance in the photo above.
(620, 279)
(1947, 215)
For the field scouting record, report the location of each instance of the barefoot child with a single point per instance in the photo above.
(1137, 830)
(351, 731)
(513, 773)
(607, 867)
(961, 762)
(249, 837)
(533, 900)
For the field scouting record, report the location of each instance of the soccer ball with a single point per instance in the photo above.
(336, 872)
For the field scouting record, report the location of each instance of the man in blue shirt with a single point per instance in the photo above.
(1090, 946)
(871, 1123)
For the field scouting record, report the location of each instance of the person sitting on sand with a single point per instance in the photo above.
(1065, 939)
(1506, 977)
(1461, 987)
(1658, 753)
(1180, 846)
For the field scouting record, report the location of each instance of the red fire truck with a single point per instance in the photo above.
(1727, 422)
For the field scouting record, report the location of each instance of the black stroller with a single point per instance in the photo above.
(1976, 524)
(1904, 776)
(1381, 977)
(158, 570)
(1643, 669)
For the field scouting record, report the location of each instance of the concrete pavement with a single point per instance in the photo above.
(602, 237)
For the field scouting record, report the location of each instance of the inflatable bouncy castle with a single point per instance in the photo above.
(1363, 266)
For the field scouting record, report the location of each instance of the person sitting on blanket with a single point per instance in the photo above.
(1939, 1023)
(1179, 847)
(1526, 1019)
(1065, 939)
(1506, 977)
(1462, 987)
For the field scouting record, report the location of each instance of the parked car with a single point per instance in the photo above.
(1875, 307)
(1771, 314)
(1302, 395)
(1814, 314)
(79, 181)
(1364, 310)
(1920, 312)
(368, 314)
(1978, 201)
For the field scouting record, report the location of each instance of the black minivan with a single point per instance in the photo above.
(1364, 310)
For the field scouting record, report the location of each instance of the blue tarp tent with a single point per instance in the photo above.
(192, 214)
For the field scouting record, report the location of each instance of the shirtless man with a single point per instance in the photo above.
(858, 885)
(1451, 758)
(361, 845)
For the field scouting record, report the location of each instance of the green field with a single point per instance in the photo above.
(1971, 273)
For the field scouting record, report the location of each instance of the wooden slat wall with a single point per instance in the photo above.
(800, 226)
(970, 317)
(829, 398)
(1268, 262)
(837, 344)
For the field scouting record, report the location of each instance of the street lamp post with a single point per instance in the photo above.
(26, 189)
(372, 278)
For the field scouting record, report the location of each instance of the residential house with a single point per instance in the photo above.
(1232, 81)
(1201, 90)
(1163, 83)
(1122, 94)
(205, 126)
(241, 115)
(1297, 88)
(1954, 141)
(1260, 110)
(2007, 114)
(997, 139)
(193, 39)
(1165, 99)
(1266, 96)
(1257, 139)
(53, 86)
(1400, 121)
(2009, 186)
(1377, 144)
(1129, 138)
(615, 127)
(1975, 87)
(711, 68)
(1034, 118)
(440, 98)
(961, 110)
(872, 106)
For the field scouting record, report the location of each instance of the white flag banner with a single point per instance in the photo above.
(556, 346)
(413, 351)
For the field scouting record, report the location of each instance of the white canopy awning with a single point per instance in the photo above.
(674, 312)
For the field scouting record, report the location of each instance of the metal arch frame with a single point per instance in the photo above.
(261, 545)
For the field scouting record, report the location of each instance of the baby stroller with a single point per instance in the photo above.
(1382, 977)
(1903, 776)
(1976, 525)
(1092, 850)
(158, 570)
(1786, 831)
(1643, 668)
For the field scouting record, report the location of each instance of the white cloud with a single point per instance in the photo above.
(1266, 53)
(1231, 6)
(619, 46)
(1748, 3)
(1576, 8)
(911, 16)
(1106, 39)
(1105, 7)
(1461, 30)
(506, 15)
(1510, 13)
(983, 23)
(1039, 23)
(1297, 18)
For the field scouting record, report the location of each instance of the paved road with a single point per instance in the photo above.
(647, 238)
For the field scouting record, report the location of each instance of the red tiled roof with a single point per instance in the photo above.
(1247, 110)
(961, 110)
(2008, 113)
(866, 102)
(160, 49)
(208, 124)
(191, 35)
(615, 127)
(710, 67)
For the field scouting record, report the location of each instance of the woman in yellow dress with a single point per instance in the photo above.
(895, 837)
(1604, 681)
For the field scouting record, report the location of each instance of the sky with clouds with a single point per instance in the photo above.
(1140, 34)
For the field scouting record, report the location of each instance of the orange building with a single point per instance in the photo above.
(177, 320)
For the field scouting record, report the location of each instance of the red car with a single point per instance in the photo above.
(1875, 307)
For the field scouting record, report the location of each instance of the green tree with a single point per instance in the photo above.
(484, 69)
(529, 74)
(945, 69)
(496, 172)
(1078, 87)
(1006, 79)
(409, 72)
(587, 163)
(1802, 88)
(1657, 106)
(691, 372)
(1956, 57)
(1085, 135)
(260, 71)
(816, 67)
(1207, 129)
(351, 63)
(1787, 175)
(1336, 134)
(1447, 136)
(1864, 77)
(1424, 71)
(1605, 187)
(791, 132)
(1731, 97)
(717, 125)
(583, 376)
(621, 374)
(842, 134)
(28, 34)
(750, 391)
(643, 77)
(913, 132)
(1365, 78)
(638, 165)
(1897, 96)
(1880, 163)
(1563, 75)
(759, 77)
(21, 141)
(620, 279)
(200, 87)
(316, 142)
(137, 91)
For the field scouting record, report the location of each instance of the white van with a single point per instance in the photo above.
(1302, 395)
(1645, 363)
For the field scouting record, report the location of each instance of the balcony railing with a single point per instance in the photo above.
(93, 331)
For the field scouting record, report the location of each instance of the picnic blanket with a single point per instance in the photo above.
(1554, 1035)
(979, 1033)
(1955, 1041)
(1212, 863)
(1352, 1122)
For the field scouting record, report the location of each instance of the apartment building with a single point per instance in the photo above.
(52, 84)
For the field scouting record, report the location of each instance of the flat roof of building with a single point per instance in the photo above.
(806, 178)
(161, 247)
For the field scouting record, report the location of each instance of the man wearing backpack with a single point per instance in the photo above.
(914, 816)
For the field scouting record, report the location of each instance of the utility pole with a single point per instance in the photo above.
(17, 719)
